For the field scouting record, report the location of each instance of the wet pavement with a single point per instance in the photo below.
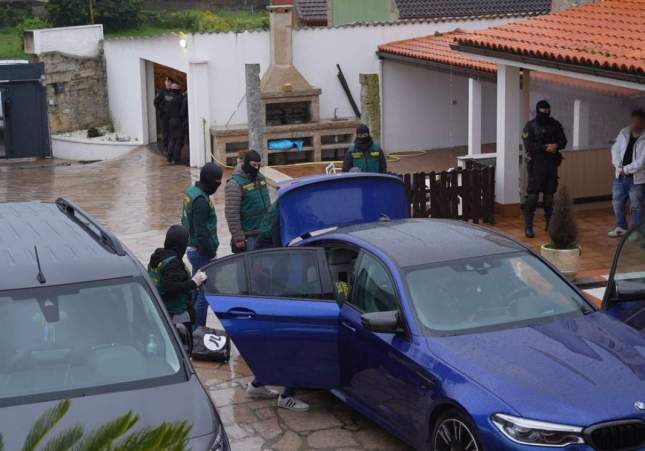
(138, 197)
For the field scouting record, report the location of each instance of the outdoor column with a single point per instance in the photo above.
(507, 189)
(580, 124)
(474, 116)
(526, 116)
(254, 110)
(199, 113)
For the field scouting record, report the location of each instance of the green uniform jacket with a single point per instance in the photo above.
(190, 196)
(372, 160)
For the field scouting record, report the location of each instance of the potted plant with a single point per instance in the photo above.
(563, 251)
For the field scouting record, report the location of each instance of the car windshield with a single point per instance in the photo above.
(80, 338)
(491, 292)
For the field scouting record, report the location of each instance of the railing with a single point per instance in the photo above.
(465, 194)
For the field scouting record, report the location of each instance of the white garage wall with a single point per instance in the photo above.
(316, 53)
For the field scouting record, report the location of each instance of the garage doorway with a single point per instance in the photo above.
(157, 113)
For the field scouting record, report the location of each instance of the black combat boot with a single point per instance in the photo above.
(529, 211)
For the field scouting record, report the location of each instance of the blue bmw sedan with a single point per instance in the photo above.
(451, 336)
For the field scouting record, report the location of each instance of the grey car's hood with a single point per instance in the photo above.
(176, 402)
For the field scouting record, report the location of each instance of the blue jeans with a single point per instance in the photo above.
(624, 188)
(197, 261)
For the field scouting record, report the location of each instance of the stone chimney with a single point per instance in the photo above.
(559, 5)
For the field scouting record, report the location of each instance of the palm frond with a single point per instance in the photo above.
(104, 437)
(65, 440)
(44, 424)
(167, 437)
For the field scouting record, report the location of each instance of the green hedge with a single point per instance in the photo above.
(113, 14)
(203, 21)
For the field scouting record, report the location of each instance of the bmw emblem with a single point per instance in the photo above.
(639, 405)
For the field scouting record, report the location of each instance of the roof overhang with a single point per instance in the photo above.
(439, 66)
(583, 72)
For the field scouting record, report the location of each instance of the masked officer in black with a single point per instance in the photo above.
(163, 118)
(365, 154)
(543, 140)
(176, 109)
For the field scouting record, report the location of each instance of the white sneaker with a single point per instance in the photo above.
(618, 231)
(291, 403)
(260, 392)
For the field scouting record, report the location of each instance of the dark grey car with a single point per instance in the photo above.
(80, 319)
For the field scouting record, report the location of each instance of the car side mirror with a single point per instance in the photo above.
(628, 290)
(383, 322)
(185, 336)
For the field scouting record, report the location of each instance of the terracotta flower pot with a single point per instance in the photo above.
(566, 260)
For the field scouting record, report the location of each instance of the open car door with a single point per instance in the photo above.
(279, 308)
(625, 294)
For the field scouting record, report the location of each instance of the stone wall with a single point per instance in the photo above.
(76, 91)
(211, 5)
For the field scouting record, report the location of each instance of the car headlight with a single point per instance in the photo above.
(221, 441)
(537, 433)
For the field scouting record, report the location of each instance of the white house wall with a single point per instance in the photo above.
(316, 53)
(425, 109)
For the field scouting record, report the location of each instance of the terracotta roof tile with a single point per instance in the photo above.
(437, 48)
(471, 8)
(607, 35)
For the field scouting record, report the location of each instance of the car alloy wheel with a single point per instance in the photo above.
(453, 433)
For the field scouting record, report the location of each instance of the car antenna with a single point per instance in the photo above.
(40, 277)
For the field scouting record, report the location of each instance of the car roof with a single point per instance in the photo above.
(68, 252)
(412, 242)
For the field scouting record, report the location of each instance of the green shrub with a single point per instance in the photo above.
(205, 21)
(11, 15)
(113, 14)
(31, 23)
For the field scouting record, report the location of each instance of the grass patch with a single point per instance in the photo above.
(11, 45)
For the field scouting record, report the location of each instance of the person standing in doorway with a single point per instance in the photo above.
(247, 202)
(543, 138)
(365, 154)
(199, 217)
(176, 110)
(163, 118)
(628, 158)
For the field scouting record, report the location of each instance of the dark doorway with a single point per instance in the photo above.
(24, 126)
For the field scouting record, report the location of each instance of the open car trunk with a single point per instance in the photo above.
(319, 203)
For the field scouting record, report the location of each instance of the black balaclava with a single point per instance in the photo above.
(542, 117)
(363, 143)
(176, 240)
(210, 178)
(251, 155)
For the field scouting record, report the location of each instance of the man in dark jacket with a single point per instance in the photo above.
(247, 202)
(365, 154)
(176, 109)
(174, 282)
(199, 217)
(543, 140)
(163, 118)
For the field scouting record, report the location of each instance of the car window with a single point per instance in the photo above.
(59, 339)
(489, 292)
(373, 290)
(227, 277)
(630, 264)
(285, 274)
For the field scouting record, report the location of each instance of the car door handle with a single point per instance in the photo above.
(241, 313)
(348, 325)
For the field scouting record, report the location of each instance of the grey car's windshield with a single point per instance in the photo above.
(490, 292)
(76, 338)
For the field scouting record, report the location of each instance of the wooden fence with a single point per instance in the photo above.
(466, 194)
